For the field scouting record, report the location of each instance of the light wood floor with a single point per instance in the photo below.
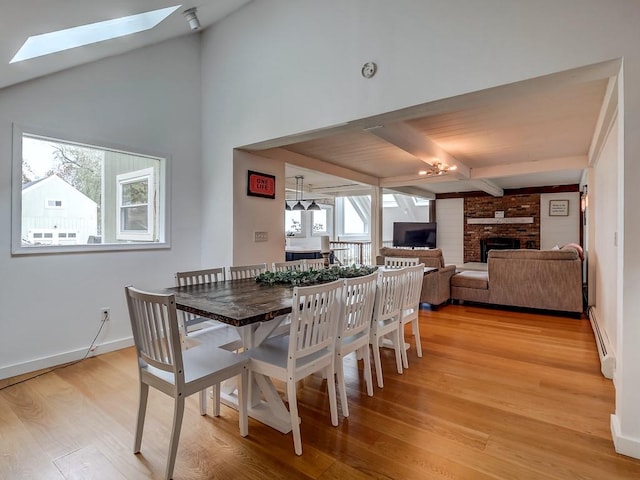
(497, 395)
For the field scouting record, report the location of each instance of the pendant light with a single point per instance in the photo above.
(298, 206)
(314, 206)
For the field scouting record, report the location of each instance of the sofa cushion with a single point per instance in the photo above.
(431, 257)
(471, 279)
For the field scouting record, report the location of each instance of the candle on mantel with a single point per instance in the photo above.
(324, 243)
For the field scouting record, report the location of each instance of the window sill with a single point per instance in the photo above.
(74, 249)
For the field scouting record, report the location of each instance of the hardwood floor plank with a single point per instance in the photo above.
(87, 464)
(19, 457)
(498, 394)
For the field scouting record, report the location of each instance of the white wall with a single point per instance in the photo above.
(281, 67)
(450, 220)
(559, 230)
(258, 214)
(147, 100)
(603, 203)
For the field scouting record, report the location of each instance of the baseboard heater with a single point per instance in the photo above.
(607, 359)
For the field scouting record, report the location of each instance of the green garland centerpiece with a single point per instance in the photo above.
(312, 276)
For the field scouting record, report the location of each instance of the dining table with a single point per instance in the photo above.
(256, 310)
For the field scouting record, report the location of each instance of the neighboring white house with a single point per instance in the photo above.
(55, 213)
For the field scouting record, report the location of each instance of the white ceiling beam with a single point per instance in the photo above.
(489, 187)
(420, 146)
(415, 192)
(540, 166)
(416, 180)
(317, 165)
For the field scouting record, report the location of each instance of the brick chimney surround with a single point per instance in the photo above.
(526, 205)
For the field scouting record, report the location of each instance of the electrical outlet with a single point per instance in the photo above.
(261, 236)
(105, 314)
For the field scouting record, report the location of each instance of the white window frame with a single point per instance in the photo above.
(328, 209)
(144, 175)
(303, 226)
(163, 200)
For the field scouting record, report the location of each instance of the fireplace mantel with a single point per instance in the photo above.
(493, 220)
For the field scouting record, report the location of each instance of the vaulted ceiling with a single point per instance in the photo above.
(538, 132)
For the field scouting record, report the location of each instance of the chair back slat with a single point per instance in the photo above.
(155, 329)
(199, 277)
(359, 295)
(399, 262)
(413, 287)
(313, 264)
(389, 294)
(314, 319)
(247, 271)
(296, 265)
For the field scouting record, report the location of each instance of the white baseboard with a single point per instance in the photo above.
(624, 445)
(62, 358)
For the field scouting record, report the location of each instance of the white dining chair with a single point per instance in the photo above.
(240, 272)
(387, 311)
(163, 365)
(314, 263)
(411, 308)
(354, 327)
(399, 262)
(309, 347)
(295, 265)
(197, 277)
(208, 331)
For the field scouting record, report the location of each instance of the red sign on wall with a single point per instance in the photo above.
(261, 185)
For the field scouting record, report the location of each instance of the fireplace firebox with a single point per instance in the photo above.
(496, 243)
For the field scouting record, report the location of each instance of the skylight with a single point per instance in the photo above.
(46, 43)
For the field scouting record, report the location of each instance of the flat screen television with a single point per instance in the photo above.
(414, 234)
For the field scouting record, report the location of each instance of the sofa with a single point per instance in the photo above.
(436, 286)
(542, 279)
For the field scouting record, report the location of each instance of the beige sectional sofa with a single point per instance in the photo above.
(544, 279)
(436, 286)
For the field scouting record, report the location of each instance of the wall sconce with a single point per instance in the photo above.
(584, 199)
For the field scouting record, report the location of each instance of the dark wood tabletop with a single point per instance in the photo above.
(236, 302)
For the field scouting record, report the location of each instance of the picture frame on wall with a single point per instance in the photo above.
(558, 208)
(261, 185)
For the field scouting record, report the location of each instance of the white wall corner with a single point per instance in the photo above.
(624, 445)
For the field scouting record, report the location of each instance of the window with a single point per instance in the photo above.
(53, 204)
(355, 218)
(135, 205)
(319, 222)
(309, 223)
(72, 196)
(293, 223)
(61, 40)
(389, 200)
